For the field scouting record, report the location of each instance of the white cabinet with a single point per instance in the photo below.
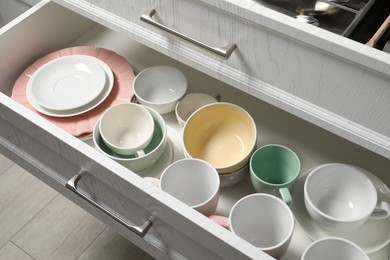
(254, 72)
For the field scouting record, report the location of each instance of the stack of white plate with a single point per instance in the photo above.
(69, 85)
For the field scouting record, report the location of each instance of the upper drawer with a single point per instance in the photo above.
(329, 80)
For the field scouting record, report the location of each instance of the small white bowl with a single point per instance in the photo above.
(127, 128)
(160, 87)
(190, 103)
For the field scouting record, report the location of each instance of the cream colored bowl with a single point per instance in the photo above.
(222, 134)
(153, 151)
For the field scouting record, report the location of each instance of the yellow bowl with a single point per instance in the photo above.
(222, 134)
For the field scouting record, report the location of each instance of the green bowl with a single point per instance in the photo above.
(152, 152)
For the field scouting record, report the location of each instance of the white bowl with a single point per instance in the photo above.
(190, 103)
(127, 128)
(160, 87)
(153, 151)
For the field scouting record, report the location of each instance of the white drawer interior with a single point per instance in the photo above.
(52, 27)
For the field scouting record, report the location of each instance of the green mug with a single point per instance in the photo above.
(274, 169)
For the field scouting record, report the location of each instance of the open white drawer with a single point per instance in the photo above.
(177, 231)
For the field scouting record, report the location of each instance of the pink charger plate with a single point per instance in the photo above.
(82, 125)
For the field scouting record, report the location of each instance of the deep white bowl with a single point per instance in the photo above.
(160, 87)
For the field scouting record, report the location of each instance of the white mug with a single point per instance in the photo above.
(263, 220)
(342, 197)
(194, 182)
(334, 248)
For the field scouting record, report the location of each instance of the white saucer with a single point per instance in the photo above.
(372, 236)
(46, 101)
(67, 82)
(173, 152)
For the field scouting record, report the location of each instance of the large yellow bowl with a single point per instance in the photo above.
(222, 134)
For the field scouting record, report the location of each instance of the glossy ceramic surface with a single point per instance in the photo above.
(194, 182)
(334, 248)
(372, 236)
(127, 128)
(68, 82)
(153, 151)
(82, 109)
(274, 169)
(84, 123)
(264, 221)
(339, 196)
(190, 103)
(160, 87)
(223, 134)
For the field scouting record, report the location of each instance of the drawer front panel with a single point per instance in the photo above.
(324, 78)
(56, 158)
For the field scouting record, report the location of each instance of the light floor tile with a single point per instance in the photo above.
(61, 230)
(110, 245)
(5, 163)
(12, 252)
(22, 197)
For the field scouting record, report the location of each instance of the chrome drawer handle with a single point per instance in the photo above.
(139, 230)
(224, 51)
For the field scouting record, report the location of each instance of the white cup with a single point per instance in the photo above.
(263, 220)
(192, 102)
(341, 197)
(127, 128)
(194, 182)
(334, 248)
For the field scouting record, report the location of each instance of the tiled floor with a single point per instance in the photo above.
(36, 222)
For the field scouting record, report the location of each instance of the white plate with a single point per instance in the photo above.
(79, 108)
(67, 82)
(372, 236)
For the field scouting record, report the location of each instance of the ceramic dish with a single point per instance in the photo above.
(372, 236)
(153, 151)
(229, 179)
(172, 153)
(81, 109)
(77, 125)
(67, 82)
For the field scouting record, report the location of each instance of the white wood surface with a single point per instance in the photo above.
(54, 156)
(336, 83)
